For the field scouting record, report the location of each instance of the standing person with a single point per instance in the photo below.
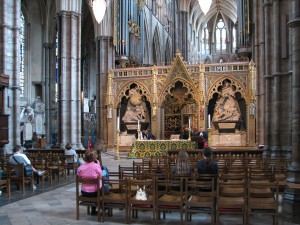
(182, 164)
(70, 151)
(185, 133)
(90, 169)
(204, 136)
(207, 165)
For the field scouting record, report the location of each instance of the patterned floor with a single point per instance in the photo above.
(56, 205)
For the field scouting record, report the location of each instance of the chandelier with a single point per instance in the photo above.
(205, 5)
(99, 8)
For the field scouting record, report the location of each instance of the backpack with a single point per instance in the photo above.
(105, 174)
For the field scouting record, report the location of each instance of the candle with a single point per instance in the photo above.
(110, 113)
(189, 123)
(118, 123)
(209, 121)
(138, 124)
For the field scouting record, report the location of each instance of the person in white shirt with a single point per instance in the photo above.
(19, 158)
(70, 151)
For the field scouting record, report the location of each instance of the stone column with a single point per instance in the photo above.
(48, 69)
(181, 36)
(10, 65)
(291, 203)
(276, 77)
(267, 74)
(105, 61)
(258, 57)
(69, 61)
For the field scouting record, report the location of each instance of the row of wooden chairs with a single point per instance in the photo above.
(183, 195)
(54, 166)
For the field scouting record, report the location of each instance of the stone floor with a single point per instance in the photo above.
(56, 206)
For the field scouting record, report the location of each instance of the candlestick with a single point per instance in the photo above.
(118, 123)
(117, 156)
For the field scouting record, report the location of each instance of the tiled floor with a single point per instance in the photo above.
(57, 206)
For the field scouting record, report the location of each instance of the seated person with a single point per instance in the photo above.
(149, 135)
(90, 169)
(70, 151)
(182, 165)
(207, 165)
(19, 158)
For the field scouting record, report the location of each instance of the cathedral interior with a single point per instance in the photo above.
(233, 69)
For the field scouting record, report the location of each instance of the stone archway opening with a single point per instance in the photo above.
(180, 109)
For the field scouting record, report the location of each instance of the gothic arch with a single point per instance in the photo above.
(156, 47)
(146, 43)
(123, 92)
(215, 88)
(239, 92)
(168, 57)
(189, 97)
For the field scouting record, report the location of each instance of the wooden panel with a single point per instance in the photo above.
(4, 129)
(4, 80)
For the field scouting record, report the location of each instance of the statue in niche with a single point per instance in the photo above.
(226, 107)
(136, 108)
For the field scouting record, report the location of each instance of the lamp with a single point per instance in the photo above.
(205, 5)
(99, 8)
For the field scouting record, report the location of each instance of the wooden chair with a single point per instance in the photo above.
(230, 201)
(169, 196)
(40, 163)
(116, 199)
(71, 164)
(56, 164)
(16, 175)
(88, 201)
(261, 202)
(135, 204)
(200, 198)
(6, 184)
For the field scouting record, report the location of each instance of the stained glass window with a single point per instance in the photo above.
(205, 40)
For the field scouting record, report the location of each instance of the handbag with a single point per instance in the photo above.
(27, 169)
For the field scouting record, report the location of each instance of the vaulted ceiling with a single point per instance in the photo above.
(226, 8)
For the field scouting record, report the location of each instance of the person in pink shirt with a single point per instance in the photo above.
(90, 169)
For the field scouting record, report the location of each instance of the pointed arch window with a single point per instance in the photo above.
(22, 56)
(220, 36)
(205, 40)
(234, 38)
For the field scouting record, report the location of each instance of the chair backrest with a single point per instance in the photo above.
(148, 186)
(201, 188)
(169, 187)
(90, 181)
(88, 201)
(70, 159)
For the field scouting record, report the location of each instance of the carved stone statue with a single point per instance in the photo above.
(226, 107)
(136, 108)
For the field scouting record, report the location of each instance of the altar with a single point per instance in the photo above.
(148, 148)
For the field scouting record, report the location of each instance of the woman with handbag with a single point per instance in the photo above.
(19, 158)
